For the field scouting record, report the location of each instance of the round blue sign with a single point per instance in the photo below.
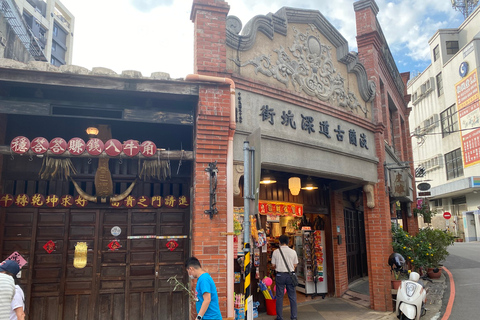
(463, 69)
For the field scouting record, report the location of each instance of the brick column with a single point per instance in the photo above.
(339, 251)
(210, 33)
(377, 219)
(210, 144)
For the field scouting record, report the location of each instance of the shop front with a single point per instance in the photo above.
(96, 187)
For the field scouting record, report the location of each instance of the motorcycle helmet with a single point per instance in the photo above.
(396, 261)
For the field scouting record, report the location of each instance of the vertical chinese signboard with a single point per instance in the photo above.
(468, 106)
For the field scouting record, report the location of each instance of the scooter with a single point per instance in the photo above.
(411, 298)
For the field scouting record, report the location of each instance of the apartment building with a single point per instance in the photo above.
(445, 124)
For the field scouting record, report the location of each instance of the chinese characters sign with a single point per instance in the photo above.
(468, 107)
(280, 208)
(67, 201)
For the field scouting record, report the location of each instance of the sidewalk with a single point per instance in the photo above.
(353, 305)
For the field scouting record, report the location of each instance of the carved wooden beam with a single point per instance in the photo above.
(163, 154)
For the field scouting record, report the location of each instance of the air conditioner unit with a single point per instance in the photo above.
(428, 86)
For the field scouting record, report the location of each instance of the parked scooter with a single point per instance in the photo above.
(411, 295)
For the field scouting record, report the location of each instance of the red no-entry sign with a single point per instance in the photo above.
(447, 215)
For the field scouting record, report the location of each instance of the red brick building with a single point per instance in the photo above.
(292, 67)
(334, 119)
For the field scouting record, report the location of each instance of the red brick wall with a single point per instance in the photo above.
(209, 18)
(211, 138)
(339, 251)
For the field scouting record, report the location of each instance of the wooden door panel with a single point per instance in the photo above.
(46, 218)
(142, 270)
(143, 217)
(173, 217)
(14, 232)
(44, 308)
(142, 306)
(143, 244)
(172, 305)
(111, 306)
(15, 217)
(76, 307)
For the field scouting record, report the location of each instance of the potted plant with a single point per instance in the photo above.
(425, 211)
(415, 249)
(439, 241)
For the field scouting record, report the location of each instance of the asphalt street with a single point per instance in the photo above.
(464, 264)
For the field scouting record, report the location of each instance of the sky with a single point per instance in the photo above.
(157, 35)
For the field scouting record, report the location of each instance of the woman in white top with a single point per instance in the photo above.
(18, 304)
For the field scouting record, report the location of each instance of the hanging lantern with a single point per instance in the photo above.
(294, 184)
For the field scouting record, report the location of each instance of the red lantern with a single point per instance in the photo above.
(20, 145)
(40, 145)
(148, 148)
(95, 146)
(76, 146)
(58, 145)
(113, 147)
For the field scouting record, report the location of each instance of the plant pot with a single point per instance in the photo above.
(434, 275)
(396, 284)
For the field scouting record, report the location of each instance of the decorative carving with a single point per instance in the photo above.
(308, 67)
(238, 171)
(368, 189)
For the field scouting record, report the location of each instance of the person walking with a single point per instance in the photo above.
(207, 304)
(8, 270)
(283, 278)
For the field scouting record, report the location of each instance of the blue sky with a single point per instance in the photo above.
(157, 35)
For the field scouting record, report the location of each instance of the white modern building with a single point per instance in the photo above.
(44, 27)
(445, 120)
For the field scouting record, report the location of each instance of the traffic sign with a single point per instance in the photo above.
(447, 215)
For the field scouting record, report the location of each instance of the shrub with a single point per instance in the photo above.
(415, 249)
(439, 241)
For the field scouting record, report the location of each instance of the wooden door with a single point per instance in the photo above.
(129, 283)
(355, 244)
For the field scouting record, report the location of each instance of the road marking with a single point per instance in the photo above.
(451, 299)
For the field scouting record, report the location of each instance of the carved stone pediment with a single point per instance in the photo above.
(305, 54)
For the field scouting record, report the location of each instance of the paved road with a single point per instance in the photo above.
(464, 264)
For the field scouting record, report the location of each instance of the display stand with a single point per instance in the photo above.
(311, 268)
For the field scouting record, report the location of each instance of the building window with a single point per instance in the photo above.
(452, 47)
(439, 84)
(55, 31)
(54, 46)
(436, 53)
(454, 164)
(449, 121)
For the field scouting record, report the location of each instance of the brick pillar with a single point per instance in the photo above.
(209, 18)
(377, 219)
(339, 251)
(211, 139)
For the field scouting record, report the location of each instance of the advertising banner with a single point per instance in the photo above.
(468, 106)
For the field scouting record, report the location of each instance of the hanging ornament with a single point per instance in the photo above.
(66, 201)
(6, 200)
(80, 255)
(114, 245)
(39, 145)
(76, 146)
(20, 145)
(131, 148)
(49, 246)
(52, 200)
(113, 147)
(172, 245)
(37, 200)
(58, 145)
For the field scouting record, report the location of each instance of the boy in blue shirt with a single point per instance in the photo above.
(206, 293)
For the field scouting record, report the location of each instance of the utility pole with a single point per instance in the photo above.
(464, 6)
